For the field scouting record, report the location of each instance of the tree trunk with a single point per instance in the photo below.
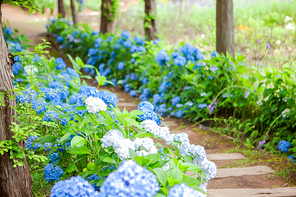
(14, 181)
(61, 8)
(74, 12)
(225, 27)
(149, 22)
(107, 16)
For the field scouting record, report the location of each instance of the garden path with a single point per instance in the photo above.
(253, 173)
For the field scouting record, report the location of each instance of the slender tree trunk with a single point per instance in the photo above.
(149, 22)
(225, 27)
(14, 181)
(74, 12)
(61, 8)
(107, 16)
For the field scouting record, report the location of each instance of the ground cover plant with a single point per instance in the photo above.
(186, 82)
(74, 130)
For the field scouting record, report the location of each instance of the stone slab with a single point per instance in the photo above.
(225, 156)
(120, 104)
(284, 191)
(255, 170)
(230, 172)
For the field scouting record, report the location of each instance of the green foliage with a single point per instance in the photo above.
(30, 4)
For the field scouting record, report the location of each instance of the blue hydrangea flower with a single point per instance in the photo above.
(141, 49)
(72, 72)
(60, 64)
(284, 146)
(200, 56)
(64, 122)
(125, 35)
(162, 87)
(175, 100)
(182, 190)
(53, 158)
(133, 60)
(162, 58)
(133, 49)
(120, 66)
(145, 106)
(175, 55)
(17, 67)
(114, 81)
(39, 105)
(291, 157)
(46, 146)
(213, 54)
(55, 85)
(73, 187)
(180, 61)
(127, 44)
(133, 93)
(139, 41)
(51, 173)
(156, 99)
(60, 39)
(29, 143)
(201, 106)
(130, 180)
(88, 91)
(8, 31)
(92, 51)
(109, 98)
(179, 113)
(48, 114)
(161, 109)
(77, 100)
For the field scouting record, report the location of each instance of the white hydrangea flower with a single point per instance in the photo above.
(122, 150)
(30, 69)
(209, 168)
(147, 144)
(94, 105)
(290, 26)
(112, 138)
(288, 19)
(202, 36)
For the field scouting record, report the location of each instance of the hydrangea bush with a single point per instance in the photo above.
(186, 82)
(75, 129)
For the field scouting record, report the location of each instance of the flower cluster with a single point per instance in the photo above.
(130, 180)
(148, 108)
(75, 186)
(182, 190)
(30, 141)
(51, 173)
(95, 105)
(284, 146)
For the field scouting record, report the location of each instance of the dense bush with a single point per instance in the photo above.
(183, 82)
(71, 128)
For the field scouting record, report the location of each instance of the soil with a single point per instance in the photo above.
(32, 26)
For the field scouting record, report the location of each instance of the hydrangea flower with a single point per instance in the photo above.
(17, 67)
(73, 187)
(29, 143)
(76, 99)
(51, 173)
(133, 49)
(94, 177)
(95, 105)
(291, 157)
(88, 91)
(182, 190)
(120, 66)
(175, 100)
(180, 61)
(209, 168)
(284, 146)
(60, 64)
(127, 44)
(125, 35)
(53, 158)
(109, 98)
(60, 39)
(133, 93)
(162, 58)
(145, 106)
(49, 114)
(39, 105)
(130, 180)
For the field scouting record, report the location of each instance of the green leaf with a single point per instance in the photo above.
(78, 141)
(79, 150)
(132, 154)
(71, 167)
(136, 112)
(109, 160)
(161, 176)
(143, 134)
(133, 122)
(190, 180)
(65, 136)
(79, 61)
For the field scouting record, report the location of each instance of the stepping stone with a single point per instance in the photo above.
(126, 105)
(225, 156)
(170, 123)
(255, 170)
(230, 172)
(284, 191)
